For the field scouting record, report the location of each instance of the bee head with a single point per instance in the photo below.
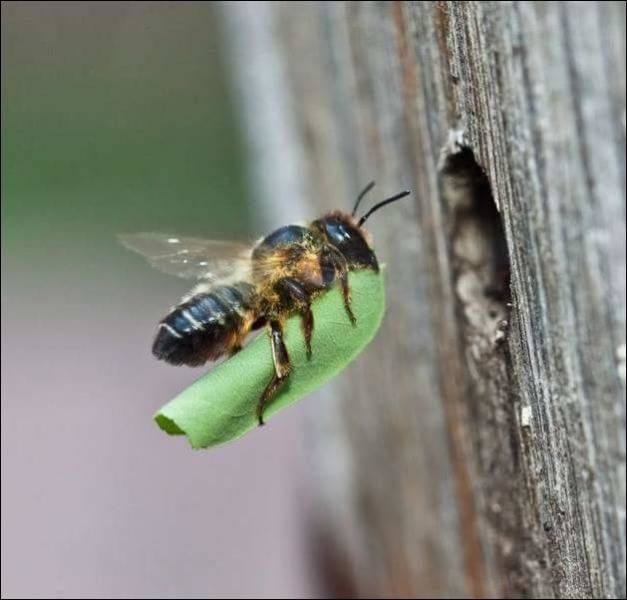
(346, 232)
(342, 231)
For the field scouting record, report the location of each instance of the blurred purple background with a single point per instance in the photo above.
(116, 117)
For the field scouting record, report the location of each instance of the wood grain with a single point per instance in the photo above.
(478, 448)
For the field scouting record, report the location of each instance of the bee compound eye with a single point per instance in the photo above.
(337, 231)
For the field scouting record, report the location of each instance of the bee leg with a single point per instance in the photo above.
(295, 294)
(346, 293)
(307, 320)
(334, 266)
(282, 368)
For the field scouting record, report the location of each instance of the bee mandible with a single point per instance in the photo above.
(242, 288)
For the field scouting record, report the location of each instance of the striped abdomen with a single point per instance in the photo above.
(206, 326)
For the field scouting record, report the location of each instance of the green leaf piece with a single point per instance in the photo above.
(220, 406)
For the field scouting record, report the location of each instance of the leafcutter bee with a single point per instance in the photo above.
(242, 288)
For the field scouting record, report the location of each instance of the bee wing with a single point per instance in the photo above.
(188, 257)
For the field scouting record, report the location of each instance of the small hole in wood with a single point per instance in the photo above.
(477, 242)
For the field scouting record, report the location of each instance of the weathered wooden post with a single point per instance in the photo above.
(478, 448)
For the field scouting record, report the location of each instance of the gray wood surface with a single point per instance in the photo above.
(477, 449)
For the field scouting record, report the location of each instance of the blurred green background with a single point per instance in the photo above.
(106, 130)
(117, 117)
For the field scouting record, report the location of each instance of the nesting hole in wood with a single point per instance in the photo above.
(478, 246)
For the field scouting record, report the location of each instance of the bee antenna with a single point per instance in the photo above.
(361, 195)
(381, 204)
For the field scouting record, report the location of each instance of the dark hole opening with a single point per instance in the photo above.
(477, 226)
